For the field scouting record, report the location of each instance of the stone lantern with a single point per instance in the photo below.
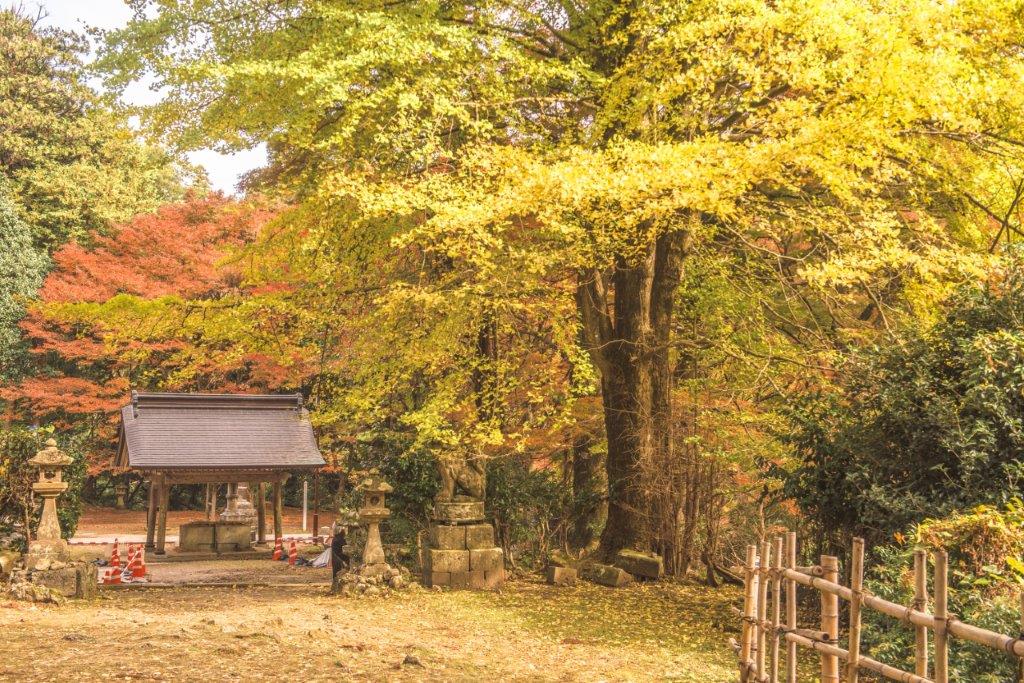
(371, 514)
(121, 493)
(48, 544)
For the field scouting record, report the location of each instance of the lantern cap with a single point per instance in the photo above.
(375, 484)
(50, 456)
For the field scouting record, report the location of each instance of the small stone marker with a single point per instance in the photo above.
(646, 565)
(561, 576)
(606, 575)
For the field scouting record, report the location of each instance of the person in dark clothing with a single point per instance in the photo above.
(339, 558)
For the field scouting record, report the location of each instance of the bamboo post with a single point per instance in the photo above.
(791, 619)
(830, 619)
(749, 593)
(1021, 675)
(762, 607)
(921, 605)
(773, 673)
(940, 616)
(856, 585)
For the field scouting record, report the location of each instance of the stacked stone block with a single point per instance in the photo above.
(461, 553)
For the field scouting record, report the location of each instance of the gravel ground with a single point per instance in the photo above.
(527, 631)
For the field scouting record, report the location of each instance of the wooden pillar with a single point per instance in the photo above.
(921, 605)
(278, 510)
(151, 515)
(316, 504)
(161, 531)
(261, 513)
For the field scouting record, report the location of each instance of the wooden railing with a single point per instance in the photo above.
(772, 565)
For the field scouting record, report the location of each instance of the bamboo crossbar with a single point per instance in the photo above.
(889, 672)
(911, 616)
(772, 570)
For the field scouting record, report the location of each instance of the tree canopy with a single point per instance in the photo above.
(485, 164)
(69, 162)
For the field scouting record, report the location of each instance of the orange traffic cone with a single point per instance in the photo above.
(115, 556)
(293, 554)
(129, 569)
(278, 551)
(112, 577)
(140, 563)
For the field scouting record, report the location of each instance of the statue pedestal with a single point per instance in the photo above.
(461, 551)
(459, 511)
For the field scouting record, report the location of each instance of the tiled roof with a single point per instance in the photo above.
(216, 431)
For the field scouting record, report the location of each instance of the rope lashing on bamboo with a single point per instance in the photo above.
(1011, 645)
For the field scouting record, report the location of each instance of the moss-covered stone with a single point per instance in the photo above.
(561, 576)
(645, 565)
(606, 575)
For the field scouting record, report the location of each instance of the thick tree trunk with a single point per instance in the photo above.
(628, 330)
(584, 488)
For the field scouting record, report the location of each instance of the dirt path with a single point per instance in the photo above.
(526, 632)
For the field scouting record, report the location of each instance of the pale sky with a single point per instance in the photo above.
(223, 169)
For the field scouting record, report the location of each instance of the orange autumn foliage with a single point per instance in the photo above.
(81, 374)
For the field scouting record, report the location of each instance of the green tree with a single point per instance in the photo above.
(18, 507)
(22, 267)
(921, 428)
(68, 161)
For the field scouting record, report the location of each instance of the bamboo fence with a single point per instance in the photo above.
(771, 569)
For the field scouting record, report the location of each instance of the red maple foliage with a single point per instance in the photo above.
(80, 379)
(175, 251)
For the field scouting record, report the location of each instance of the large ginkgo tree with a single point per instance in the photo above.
(516, 159)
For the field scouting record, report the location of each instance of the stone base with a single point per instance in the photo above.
(357, 584)
(459, 511)
(644, 565)
(606, 575)
(217, 537)
(45, 552)
(461, 536)
(473, 579)
(379, 569)
(463, 556)
(561, 576)
(76, 581)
